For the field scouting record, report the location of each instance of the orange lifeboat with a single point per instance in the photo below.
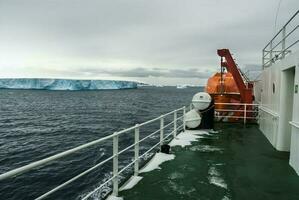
(223, 90)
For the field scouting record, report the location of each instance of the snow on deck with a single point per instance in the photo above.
(156, 161)
(131, 183)
(185, 138)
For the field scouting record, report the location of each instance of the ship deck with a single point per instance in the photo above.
(238, 162)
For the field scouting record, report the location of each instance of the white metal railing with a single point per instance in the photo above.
(294, 124)
(244, 111)
(268, 111)
(115, 137)
(237, 111)
(276, 49)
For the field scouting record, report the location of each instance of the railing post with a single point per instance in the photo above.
(283, 42)
(161, 130)
(136, 149)
(271, 55)
(245, 106)
(115, 165)
(263, 59)
(190, 106)
(175, 123)
(184, 122)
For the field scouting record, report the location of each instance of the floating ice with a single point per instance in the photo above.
(65, 84)
(131, 183)
(156, 161)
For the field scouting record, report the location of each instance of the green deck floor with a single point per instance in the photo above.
(238, 158)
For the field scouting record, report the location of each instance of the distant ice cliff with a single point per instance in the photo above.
(65, 84)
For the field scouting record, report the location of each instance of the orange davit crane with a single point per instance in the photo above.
(231, 87)
(245, 89)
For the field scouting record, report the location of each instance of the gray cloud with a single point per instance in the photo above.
(133, 38)
(155, 72)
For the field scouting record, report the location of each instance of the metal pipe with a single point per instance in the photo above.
(174, 124)
(161, 129)
(184, 120)
(136, 150)
(115, 165)
(282, 28)
(245, 108)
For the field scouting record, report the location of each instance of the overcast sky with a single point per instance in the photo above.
(156, 41)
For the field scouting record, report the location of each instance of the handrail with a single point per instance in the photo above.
(269, 49)
(238, 104)
(243, 110)
(267, 110)
(295, 124)
(283, 27)
(114, 157)
(36, 164)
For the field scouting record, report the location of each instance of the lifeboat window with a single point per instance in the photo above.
(273, 88)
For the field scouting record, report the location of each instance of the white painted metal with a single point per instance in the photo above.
(280, 102)
(184, 118)
(283, 42)
(294, 156)
(115, 165)
(174, 124)
(42, 162)
(268, 51)
(136, 150)
(201, 100)
(192, 119)
(245, 110)
(161, 130)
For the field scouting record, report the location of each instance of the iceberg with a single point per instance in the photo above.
(64, 84)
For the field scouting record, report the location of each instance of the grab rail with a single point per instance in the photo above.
(114, 157)
(272, 48)
(245, 109)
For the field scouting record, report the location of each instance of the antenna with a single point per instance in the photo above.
(276, 16)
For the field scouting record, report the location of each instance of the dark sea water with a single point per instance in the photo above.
(35, 124)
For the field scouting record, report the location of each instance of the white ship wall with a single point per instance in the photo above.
(279, 111)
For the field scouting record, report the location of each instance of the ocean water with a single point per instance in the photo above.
(35, 124)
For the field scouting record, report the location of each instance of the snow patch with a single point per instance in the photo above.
(185, 138)
(218, 181)
(131, 183)
(111, 197)
(215, 178)
(156, 161)
(213, 171)
(205, 148)
(213, 131)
